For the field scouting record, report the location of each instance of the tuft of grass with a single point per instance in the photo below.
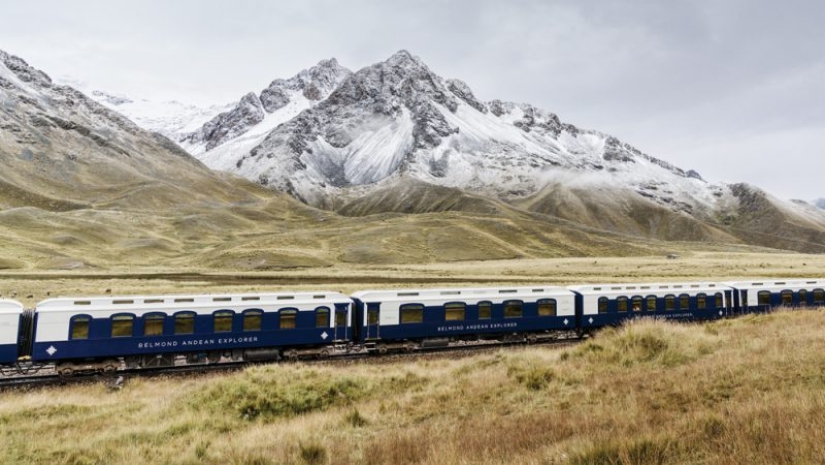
(254, 397)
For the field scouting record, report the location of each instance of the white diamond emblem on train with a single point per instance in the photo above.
(51, 350)
(324, 335)
(566, 321)
(590, 320)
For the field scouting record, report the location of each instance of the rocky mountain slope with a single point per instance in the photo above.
(393, 136)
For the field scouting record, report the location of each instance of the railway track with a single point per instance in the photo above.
(47, 376)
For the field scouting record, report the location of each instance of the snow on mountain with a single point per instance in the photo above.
(171, 118)
(819, 203)
(398, 118)
(281, 101)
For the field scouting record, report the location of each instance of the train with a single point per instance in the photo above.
(76, 335)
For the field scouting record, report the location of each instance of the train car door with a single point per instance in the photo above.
(341, 322)
(373, 321)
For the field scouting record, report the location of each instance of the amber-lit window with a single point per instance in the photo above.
(372, 316)
(122, 325)
(602, 304)
(636, 303)
(412, 313)
(621, 304)
(454, 311)
(252, 320)
(485, 310)
(684, 302)
(223, 321)
(701, 301)
(803, 297)
(787, 297)
(670, 302)
(322, 317)
(651, 303)
(185, 323)
(288, 318)
(80, 327)
(819, 296)
(764, 297)
(153, 324)
(340, 319)
(513, 309)
(547, 307)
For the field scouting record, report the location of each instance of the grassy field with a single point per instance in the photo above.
(720, 265)
(748, 390)
(745, 391)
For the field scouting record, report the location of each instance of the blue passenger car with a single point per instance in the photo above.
(764, 295)
(141, 329)
(10, 313)
(611, 304)
(432, 317)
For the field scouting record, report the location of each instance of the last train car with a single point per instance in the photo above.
(10, 313)
(435, 317)
(760, 295)
(152, 330)
(612, 304)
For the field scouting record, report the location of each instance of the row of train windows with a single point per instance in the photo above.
(414, 313)
(153, 323)
(649, 304)
(764, 297)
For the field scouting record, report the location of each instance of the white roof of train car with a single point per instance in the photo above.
(8, 306)
(486, 293)
(174, 303)
(649, 288)
(779, 284)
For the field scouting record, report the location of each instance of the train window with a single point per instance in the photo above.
(322, 317)
(122, 325)
(412, 313)
(512, 309)
(288, 318)
(819, 296)
(602, 304)
(701, 301)
(80, 327)
(185, 323)
(651, 303)
(670, 302)
(803, 297)
(372, 316)
(485, 310)
(341, 319)
(720, 300)
(547, 307)
(252, 320)
(454, 311)
(153, 324)
(684, 302)
(787, 297)
(636, 303)
(621, 304)
(223, 321)
(764, 297)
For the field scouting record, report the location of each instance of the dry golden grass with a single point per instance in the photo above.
(744, 391)
(718, 265)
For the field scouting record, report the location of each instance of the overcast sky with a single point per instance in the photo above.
(734, 89)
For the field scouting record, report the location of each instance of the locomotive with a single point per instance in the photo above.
(107, 334)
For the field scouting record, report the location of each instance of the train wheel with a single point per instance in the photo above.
(381, 348)
(324, 353)
(291, 355)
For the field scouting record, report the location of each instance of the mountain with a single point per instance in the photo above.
(819, 203)
(394, 136)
